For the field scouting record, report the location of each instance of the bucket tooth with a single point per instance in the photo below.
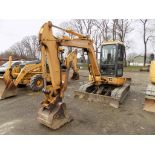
(7, 89)
(54, 118)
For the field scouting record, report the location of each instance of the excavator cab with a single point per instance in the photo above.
(111, 59)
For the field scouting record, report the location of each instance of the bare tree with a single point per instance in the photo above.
(147, 35)
(103, 27)
(31, 46)
(28, 48)
(101, 33)
(65, 25)
(123, 28)
(17, 49)
(97, 38)
(120, 28)
(131, 56)
(83, 26)
(114, 29)
(100, 30)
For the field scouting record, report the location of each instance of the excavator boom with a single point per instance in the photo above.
(53, 112)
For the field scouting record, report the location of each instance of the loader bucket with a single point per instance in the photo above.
(7, 89)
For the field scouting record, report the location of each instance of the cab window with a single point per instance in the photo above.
(121, 50)
(108, 54)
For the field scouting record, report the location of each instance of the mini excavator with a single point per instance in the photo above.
(107, 81)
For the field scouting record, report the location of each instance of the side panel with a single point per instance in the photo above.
(152, 72)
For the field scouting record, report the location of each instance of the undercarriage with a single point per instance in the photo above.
(104, 93)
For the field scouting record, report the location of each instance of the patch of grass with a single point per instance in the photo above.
(132, 69)
(84, 66)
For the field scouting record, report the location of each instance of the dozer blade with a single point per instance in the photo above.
(54, 118)
(149, 104)
(7, 89)
(113, 96)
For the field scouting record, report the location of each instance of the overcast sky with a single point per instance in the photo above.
(12, 31)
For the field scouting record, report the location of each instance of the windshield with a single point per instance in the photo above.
(108, 54)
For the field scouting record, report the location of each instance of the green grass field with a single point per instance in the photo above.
(126, 69)
(132, 69)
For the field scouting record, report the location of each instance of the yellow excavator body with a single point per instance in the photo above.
(149, 103)
(117, 81)
(152, 72)
(107, 81)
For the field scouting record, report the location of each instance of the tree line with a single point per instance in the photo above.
(26, 49)
(99, 30)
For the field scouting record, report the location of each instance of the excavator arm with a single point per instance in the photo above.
(52, 108)
(87, 46)
(71, 62)
(53, 111)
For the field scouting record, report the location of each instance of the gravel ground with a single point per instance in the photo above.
(18, 114)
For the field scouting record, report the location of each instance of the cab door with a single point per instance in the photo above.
(108, 60)
(119, 60)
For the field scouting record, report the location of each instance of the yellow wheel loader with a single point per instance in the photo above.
(107, 81)
(149, 104)
(16, 76)
(31, 75)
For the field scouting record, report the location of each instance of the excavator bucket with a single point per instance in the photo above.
(54, 118)
(107, 94)
(7, 89)
(149, 104)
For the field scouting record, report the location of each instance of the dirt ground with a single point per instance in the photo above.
(18, 114)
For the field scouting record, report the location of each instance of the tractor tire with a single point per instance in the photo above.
(37, 83)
